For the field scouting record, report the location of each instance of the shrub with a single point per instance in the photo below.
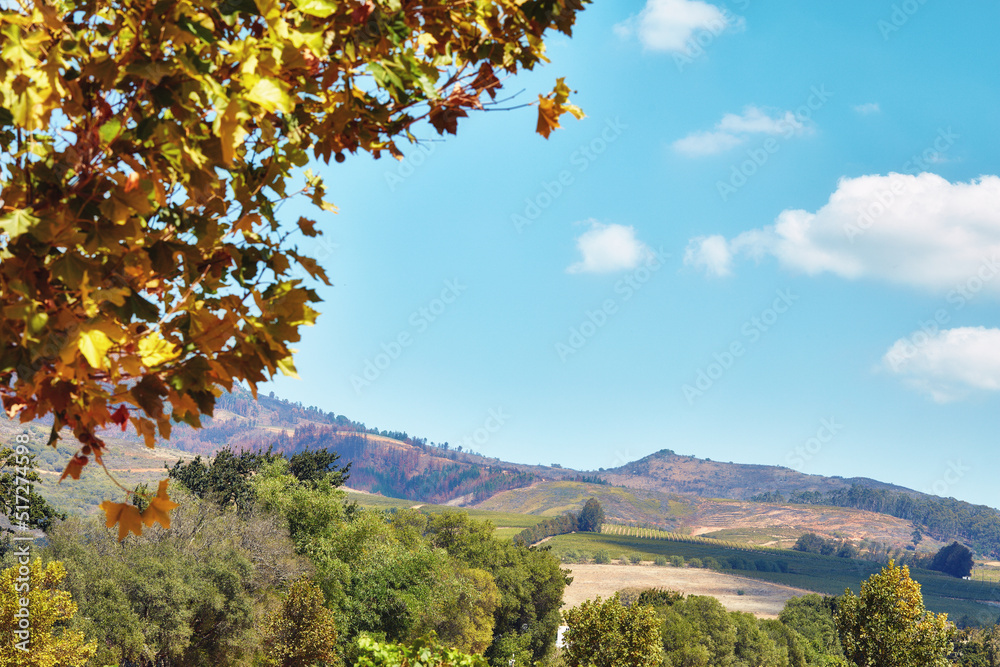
(677, 561)
(694, 562)
(660, 561)
(635, 558)
(602, 557)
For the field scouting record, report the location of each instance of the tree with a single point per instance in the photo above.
(592, 516)
(146, 147)
(303, 632)
(607, 634)
(42, 641)
(954, 559)
(888, 626)
(31, 510)
(426, 651)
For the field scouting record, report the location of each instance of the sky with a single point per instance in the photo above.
(774, 239)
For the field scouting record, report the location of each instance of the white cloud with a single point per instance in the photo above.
(608, 248)
(673, 25)
(948, 365)
(867, 109)
(916, 230)
(736, 129)
(710, 253)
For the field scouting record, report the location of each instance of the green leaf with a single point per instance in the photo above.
(110, 130)
(94, 346)
(17, 223)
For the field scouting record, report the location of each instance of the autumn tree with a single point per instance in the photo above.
(147, 146)
(607, 634)
(45, 641)
(888, 626)
(303, 632)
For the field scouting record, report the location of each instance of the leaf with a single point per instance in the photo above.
(94, 346)
(125, 515)
(110, 130)
(319, 8)
(154, 350)
(74, 467)
(120, 417)
(308, 227)
(287, 366)
(159, 508)
(17, 223)
(548, 117)
(270, 94)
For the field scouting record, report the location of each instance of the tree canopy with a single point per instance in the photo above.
(146, 148)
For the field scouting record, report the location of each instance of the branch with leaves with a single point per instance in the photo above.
(146, 148)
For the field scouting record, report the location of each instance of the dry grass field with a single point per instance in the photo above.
(760, 598)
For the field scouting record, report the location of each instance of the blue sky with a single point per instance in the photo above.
(771, 240)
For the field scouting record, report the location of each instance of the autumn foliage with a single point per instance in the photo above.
(146, 148)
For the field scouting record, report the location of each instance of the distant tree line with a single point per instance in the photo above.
(590, 519)
(977, 525)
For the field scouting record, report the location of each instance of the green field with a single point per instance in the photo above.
(822, 574)
(507, 524)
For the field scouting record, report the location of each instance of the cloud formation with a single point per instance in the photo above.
(609, 248)
(947, 365)
(736, 129)
(673, 25)
(916, 230)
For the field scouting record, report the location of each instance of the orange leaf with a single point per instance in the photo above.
(125, 515)
(74, 467)
(158, 509)
(120, 417)
(548, 117)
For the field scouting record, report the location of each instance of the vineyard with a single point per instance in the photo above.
(656, 534)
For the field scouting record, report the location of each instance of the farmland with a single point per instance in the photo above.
(822, 574)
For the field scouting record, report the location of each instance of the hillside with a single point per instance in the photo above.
(742, 521)
(663, 489)
(672, 473)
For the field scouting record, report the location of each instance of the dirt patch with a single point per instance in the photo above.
(762, 599)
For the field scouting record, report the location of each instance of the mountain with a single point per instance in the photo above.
(672, 473)
(664, 489)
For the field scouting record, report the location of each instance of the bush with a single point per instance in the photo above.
(602, 557)
(635, 558)
(660, 561)
(695, 562)
(677, 561)
(711, 564)
(426, 651)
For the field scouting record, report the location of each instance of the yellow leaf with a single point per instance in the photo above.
(229, 127)
(270, 94)
(94, 346)
(125, 515)
(287, 366)
(158, 509)
(154, 350)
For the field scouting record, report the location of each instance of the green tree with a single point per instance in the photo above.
(302, 632)
(45, 641)
(145, 147)
(592, 516)
(427, 652)
(954, 559)
(31, 510)
(888, 626)
(606, 634)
